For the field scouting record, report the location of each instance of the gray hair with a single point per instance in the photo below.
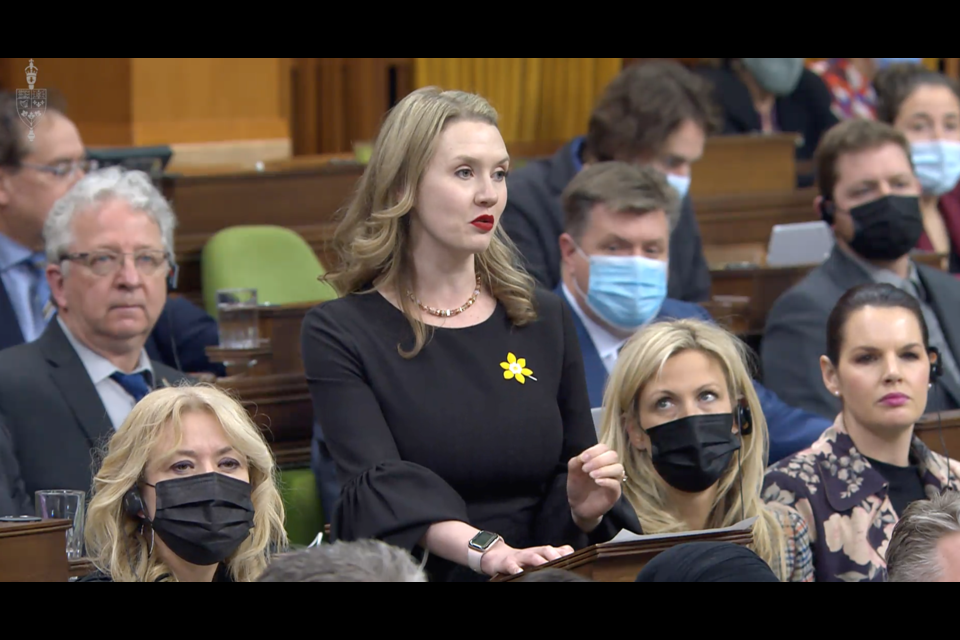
(362, 561)
(914, 554)
(99, 187)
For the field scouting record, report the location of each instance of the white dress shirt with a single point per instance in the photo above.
(116, 400)
(607, 344)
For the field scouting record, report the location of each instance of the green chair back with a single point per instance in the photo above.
(304, 512)
(275, 261)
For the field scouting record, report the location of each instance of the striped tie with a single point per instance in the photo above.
(40, 301)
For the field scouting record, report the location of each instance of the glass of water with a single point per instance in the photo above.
(238, 319)
(65, 505)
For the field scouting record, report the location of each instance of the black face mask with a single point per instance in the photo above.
(691, 454)
(203, 519)
(888, 228)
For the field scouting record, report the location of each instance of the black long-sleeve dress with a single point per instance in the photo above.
(453, 434)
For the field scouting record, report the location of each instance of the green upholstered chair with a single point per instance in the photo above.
(283, 268)
(275, 261)
(304, 510)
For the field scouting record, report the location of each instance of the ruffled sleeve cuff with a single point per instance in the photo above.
(396, 502)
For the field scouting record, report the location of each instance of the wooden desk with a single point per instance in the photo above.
(622, 562)
(749, 164)
(279, 353)
(746, 295)
(274, 390)
(750, 218)
(929, 430)
(34, 552)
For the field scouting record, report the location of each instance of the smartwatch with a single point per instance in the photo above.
(477, 547)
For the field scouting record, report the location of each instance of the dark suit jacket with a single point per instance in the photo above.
(13, 497)
(181, 335)
(791, 430)
(54, 413)
(807, 111)
(796, 333)
(534, 220)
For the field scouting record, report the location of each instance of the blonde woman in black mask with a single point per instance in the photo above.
(186, 493)
(681, 411)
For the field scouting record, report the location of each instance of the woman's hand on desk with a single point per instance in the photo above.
(594, 485)
(502, 559)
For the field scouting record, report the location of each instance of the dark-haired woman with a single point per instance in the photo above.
(925, 106)
(853, 483)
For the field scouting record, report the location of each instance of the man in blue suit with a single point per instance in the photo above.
(33, 176)
(615, 251)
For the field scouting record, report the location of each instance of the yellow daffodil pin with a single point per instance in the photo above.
(514, 369)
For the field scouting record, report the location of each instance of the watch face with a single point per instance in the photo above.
(483, 540)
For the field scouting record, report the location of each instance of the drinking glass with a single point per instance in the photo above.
(65, 505)
(238, 318)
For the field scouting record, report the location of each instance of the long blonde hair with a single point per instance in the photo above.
(640, 362)
(372, 241)
(116, 543)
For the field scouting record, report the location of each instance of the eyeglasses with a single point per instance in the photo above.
(105, 263)
(64, 169)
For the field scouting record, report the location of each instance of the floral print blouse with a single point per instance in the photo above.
(845, 503)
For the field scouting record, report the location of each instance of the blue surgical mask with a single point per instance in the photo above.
(779, 76)
(883, 63)
(938, 165)
(680, 183)
(626, 291)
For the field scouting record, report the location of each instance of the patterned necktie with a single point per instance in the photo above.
(39, 289)
(133, 383)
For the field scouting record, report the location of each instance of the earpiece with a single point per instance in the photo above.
(173, 277)
(936, 365)
(133, 504)
(828, 212)
(744, 418)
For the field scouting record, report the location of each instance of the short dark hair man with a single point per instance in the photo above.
(654, 114)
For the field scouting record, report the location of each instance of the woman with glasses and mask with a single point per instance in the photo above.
(925, 106)
(186, 493)
(772, 95)
(853, 484)
(681, 411)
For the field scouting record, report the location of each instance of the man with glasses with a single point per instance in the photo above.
(108, 246)
(33, 176)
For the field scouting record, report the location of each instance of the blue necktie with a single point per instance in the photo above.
(39, 289)
(133, 383)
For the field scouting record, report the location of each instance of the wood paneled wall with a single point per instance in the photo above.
(336, 102)
(148, 101)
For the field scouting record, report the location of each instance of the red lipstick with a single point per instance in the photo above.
(484, 223)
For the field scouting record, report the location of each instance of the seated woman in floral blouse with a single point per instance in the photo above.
(853, 483)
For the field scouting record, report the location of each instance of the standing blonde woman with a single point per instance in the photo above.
(681, 412)
(451, 394)
(186, 493)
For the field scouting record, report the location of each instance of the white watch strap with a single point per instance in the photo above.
(475, 560)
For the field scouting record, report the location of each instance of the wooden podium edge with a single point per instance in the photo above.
(612, 551)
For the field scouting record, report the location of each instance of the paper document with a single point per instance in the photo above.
(627, 536)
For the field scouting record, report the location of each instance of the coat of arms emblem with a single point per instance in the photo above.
(31, 103)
